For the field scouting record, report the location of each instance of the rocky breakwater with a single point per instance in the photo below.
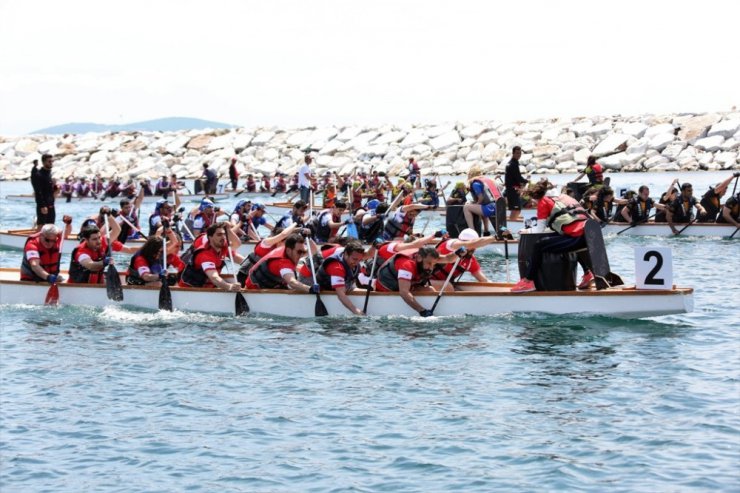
(688, 142)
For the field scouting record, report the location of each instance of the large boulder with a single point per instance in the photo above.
(661, 141)
(695, 127)
(472, 131)
(389, 138)
(445, 141)
(599, 129)
(263, 138)
(662, 128)
(199, 142)
(545, 150)
(24, 147)
(674, 150)
(610, 143)
(633, 129)
(414, 138)
(725, 128)
(711, 144)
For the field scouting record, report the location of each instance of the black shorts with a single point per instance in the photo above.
(513, 199)
(47, 218)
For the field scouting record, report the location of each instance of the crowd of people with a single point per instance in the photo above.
(364, 236)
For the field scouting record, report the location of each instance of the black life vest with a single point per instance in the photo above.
(370, 232)
(682, 210)
(398, 229)
(192, 276)
(711, 203)
(48, 260)
(261, 276)
(125, 228)
(733, 203)
(133, 277)
(322, 232)
(324, 279)
(81, 275)
(246, 265)
(388, 274)
(639, 209)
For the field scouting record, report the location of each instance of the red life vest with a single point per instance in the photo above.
(48, 259)
(490, 190)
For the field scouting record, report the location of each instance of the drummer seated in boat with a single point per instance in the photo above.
(90, 257)
(339, 271)
(277, 270)
(566, 218)
(637, 210)
(406, 273)
(730, 213)
(681, 210)
(462, 247)
(41, 254)
(209, 252)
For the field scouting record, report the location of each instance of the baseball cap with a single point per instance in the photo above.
(468, 234)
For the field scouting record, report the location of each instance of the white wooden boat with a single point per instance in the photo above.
(148, 199)
(477, 299)
(719, 230)
(16, 239)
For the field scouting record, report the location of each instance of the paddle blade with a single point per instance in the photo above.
(241, 307)
(113, 284)
(320, 309)
(52, 296)
(165, 297)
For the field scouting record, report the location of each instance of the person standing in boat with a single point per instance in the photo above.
(90, 257)
(730, 213)
(484, 192)
(209, 251)
(414, 171)
(277, 269)
(43, 191)
(681, 211)
(338, 272)
(208, 180)
(513, 182)
(712, 200)
(41, 253)
(304, 179)
(637, 210)
(404, 273)
(233, 174)
(568, 221)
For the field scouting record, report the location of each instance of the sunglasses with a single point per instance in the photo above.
(48, 241)
(302, 252)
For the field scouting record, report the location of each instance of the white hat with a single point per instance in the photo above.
(468, 234)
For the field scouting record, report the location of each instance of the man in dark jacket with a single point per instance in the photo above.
(43, 190)
(513, 182)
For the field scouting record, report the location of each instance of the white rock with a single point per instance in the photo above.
(730, 144)
(610, 143)
(472, 131)
(445, 141)
(349, 133)
(177, 146)
(581, 127)
(663, 128)
(48, 147)
(654, 161)
(490, 136)
(633, 129)
(414, 138)
(581, 156)
(389, 138)
(566, 137)
(24, 147)
(665, 167)
(695, 127)
(324, 134)
(545, 150)
(726, 160)
(241, 141)
(270, 154)
(615, 161)
(474, 156)
(711, 144)
(598, 130)
(438, 130)
(262, 138)
(705, 158)
(360, 141)
(331, 147)
(674, 150)
(468, 142)
(661, 141)
(567, 167)
(220, 142)
(300, 138)
(725, 128)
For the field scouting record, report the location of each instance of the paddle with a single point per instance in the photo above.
(504, 237)
(240, 303)
(444, 286)
(112, 280)
(52, 296)
(319, 309)
(684, 228)
(733, 234)
(636, 224)
(165, 297)
(370, 282)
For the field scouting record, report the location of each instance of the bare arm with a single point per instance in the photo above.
(220, 283)
(294, 283)
(404, 289)
(342, 295)
(727, 214)
(626, 214)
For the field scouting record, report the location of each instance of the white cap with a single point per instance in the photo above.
(468, 234)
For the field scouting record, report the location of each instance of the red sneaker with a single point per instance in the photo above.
(586, 280)
(523, 286)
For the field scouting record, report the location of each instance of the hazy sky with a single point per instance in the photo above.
(301, 62)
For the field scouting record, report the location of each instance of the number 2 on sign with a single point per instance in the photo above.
(653, 268)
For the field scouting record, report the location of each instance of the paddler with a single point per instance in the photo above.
(681, 211)
(712, 200)
(407, 273)
(266, 245)
(209, 252)
(146, 267)
(90, 257)
(731, 211)
(566, 219)
(339, 272)
(276, 270)
(637, 210)
(464, 247)
(41, 253)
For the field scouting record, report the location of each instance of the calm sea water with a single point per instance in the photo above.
(126, 400)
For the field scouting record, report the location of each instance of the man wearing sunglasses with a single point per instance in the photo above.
(276, 270)
(41, 253)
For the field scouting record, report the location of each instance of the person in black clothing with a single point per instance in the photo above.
(208, 180)
(43, 190)
(513, 182)
(638, 209)
(681, 210)
(712, 200)
(233, 174)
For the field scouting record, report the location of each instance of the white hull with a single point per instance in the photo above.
(476, 299)
(16, 239)
(662, 229)
(149, 199)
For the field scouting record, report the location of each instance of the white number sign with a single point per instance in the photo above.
(653, 268)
